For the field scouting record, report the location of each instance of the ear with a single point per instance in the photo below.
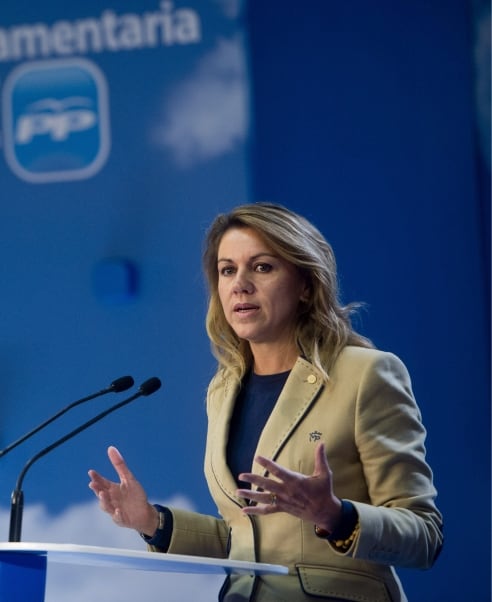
(305, 293)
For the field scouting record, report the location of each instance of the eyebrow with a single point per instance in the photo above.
(253, 258)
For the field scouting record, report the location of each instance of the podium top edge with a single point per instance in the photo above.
(137, 559)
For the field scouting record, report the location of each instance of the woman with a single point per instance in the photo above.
(315, 450)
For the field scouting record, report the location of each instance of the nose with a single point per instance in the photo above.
(242, 284)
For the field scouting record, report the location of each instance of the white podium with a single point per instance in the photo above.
(23, 565)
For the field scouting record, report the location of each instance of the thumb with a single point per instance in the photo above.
(321, 466)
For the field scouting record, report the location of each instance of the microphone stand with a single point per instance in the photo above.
(17, 498)
(120, 384)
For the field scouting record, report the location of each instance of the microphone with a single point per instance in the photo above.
(17, 500)
(117, 386)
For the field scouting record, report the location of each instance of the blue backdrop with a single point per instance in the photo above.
(375, 122)
(369, 121)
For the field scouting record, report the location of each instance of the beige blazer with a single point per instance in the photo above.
(371, 426)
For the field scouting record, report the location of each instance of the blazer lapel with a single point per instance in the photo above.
(300, 391)
(222, 419)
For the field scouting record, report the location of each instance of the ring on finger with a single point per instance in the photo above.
(273, 499)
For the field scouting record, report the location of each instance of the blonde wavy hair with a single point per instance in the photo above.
(323, 325)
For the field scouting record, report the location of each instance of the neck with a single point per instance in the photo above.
(273, 361)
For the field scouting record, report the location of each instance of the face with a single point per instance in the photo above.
(258, 290)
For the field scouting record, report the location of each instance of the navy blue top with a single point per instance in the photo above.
(254, 404)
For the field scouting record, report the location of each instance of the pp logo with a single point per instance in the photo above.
(56, 122)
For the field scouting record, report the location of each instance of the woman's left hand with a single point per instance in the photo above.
(308, 497)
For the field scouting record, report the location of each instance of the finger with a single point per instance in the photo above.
(260, 509)
(270, 465)
(119, 464)
(96, 477)
(95, 487)
(117, 518)
(259, 481)
(260, 497)
(273, 468)
(105, 503)
(263, 503)
(98, 482)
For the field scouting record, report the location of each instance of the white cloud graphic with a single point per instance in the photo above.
(86, 524)
(207, 114)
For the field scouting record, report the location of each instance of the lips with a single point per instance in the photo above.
(245, 307)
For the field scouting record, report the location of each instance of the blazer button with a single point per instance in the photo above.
(311, 379)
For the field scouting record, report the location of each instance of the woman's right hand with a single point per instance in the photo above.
(126, 502)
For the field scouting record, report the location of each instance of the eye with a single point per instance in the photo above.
(263, 268)
(227, 270)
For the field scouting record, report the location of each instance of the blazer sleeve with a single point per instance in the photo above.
(196, 534)
(401, 526)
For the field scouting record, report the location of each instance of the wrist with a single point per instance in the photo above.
(343, 529)
(330, 521)
(161, 536)
(151, 523)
